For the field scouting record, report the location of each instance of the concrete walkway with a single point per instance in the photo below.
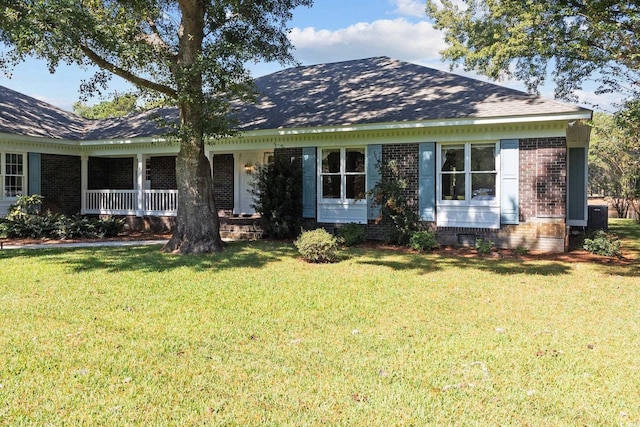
(56, 245)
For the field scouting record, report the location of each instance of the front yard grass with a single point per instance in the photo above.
(254, 336)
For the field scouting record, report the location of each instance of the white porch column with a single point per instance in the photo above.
(210, 157)
(141, 168)
(84, 181)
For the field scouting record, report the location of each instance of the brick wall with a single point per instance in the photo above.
(111, 174)
(543, 193)
(543, 178)
(61, 183)
(163, 173)
(98, 178)
(406, 157)
(223, 181)
(293, 155)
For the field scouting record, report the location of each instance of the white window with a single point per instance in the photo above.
(342, 185)
(13, 175)
(468, 186)
(468, 174)
(342, 174)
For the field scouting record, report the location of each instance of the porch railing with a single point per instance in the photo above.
(125, 202)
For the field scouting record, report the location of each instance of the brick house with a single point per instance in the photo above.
(481, 160)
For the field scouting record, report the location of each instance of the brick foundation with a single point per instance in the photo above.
(546, 236)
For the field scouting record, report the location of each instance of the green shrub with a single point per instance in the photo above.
(277, 188)
(24, 220)
(109, 226)
(521, 250)
(484, 246)
(317, 246)
(398, 217)
(75, 227)
(351, 234)
(423, 241)
(25, 206)
(602, 243)
(29, 226)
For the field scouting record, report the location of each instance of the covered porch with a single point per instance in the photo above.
(144, 185)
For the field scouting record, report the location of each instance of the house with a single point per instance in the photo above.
(481, 160)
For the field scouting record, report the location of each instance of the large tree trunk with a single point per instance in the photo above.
(197, 225)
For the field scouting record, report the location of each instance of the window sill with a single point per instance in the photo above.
(472, 202)
(343, 201)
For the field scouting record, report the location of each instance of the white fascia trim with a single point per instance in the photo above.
(125, 141)
(35, 140)
(473, 121)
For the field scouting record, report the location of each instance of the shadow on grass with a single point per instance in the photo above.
(542, 265)
(427, 263)
(254, 255)
(150, 259)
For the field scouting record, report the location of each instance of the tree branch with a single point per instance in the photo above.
(156, 41)
(127, 75)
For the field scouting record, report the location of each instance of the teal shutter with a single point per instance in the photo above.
(427, 181)
(35, 177)
(309, 182)
(509, 173)
(374, 162)
(577, 188)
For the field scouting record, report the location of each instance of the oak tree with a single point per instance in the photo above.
(573, 40)
(191, 53)
(614, 161)
(119, 106)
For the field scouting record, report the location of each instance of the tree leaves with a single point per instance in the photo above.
(575, 40)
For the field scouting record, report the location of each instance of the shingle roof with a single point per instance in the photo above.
(381, 90)
(373, 90)
(22, 115)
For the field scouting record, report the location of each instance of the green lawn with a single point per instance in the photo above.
(253, 336)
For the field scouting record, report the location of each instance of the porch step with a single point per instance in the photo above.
(240, 228)
(241, 235)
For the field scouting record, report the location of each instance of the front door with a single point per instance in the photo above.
(246, 168)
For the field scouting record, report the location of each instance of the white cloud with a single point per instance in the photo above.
(460, 4)
(410, 8)
(398, 38)
(600, 102)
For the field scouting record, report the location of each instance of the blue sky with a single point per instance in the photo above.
(330, 31)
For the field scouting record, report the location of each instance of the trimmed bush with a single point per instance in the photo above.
(277, 188)
(602, 243)
(317, 246)
(351, 234)
(423, 241)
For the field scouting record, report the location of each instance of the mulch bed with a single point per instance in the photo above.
(574, 255)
